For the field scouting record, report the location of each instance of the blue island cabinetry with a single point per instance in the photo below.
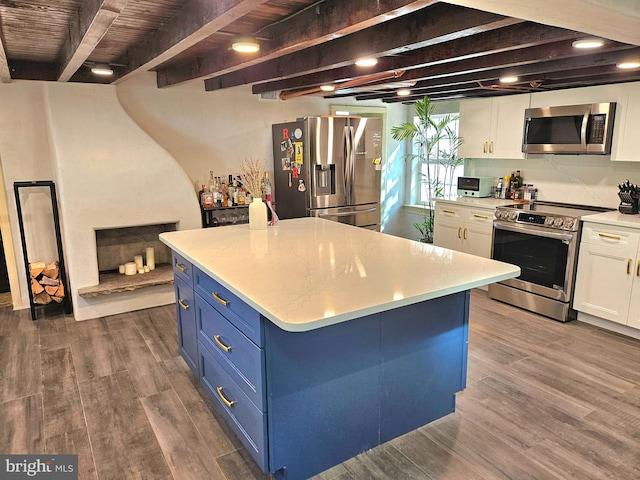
(302, 402)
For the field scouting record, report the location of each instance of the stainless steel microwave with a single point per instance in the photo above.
(574, 129)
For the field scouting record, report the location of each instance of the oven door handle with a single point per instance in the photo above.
(532, 230)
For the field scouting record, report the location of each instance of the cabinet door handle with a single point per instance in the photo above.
(483, 217)
(219, 299)
(228, 403)
(450, 212)
(226, 348)
(629, 261)
(638, 269)
(491, 146)
(465, 233)
(459, 232)
(484, 147)
(608, 235)
(182, 268)
(183, 305)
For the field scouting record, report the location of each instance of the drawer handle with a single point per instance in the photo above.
(219, 299)
(608, 235)
(228, 403)
(629, 261)
(483, 217)
(226, 348)
(183, 305)
(491, 146)
(465, 233)
(450, 212)
(182, 268)
(484, 147)
(638, 269)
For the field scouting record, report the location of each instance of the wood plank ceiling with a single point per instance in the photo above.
(431, 47)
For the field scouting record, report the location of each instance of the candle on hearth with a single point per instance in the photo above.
(138, 261)
(151, 261)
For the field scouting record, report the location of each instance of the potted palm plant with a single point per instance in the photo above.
(426, 134)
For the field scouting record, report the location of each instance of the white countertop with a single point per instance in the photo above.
(485, 202)
(614, 218)
(308, 273)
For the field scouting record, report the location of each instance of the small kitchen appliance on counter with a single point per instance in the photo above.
(475, 186)
(629, 195)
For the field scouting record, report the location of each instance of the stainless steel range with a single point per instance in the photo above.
(542, 238)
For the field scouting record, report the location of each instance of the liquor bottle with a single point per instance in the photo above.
(519, 177)
(224, 191)
(513, 187)
(230, 191)
(212, 182)
(266, 188)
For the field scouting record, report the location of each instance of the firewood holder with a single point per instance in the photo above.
(66, 301)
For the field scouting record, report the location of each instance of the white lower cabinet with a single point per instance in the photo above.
(608, 277)
(463, 228)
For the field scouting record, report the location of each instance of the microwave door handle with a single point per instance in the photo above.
(583, 130)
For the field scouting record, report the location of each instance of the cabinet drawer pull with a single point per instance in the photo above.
(459, 232)
(219, 299)
(483, 217)
(228, 403)
(226, 348)
(182, 268)
(608, 235)
(484, 147)
(183, 305)
(450, 212)
(629, 261)
(491, 147)
(464, 235)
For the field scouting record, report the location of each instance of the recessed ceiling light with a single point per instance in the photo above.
(366, 62)
(588, 43)
(102, 69)
(245, 45)
(628, 65)
(327, 88)
(403, 92)
(508, 79)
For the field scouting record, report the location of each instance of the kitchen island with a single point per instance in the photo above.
(317, 340)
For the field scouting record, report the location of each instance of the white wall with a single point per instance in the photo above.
(89, 133)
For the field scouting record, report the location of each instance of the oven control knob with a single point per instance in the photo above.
(498, 214)
(513, 215)
(558, 222)
(569, 222)
(549, 221)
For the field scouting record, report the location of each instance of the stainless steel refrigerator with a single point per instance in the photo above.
(329, 167)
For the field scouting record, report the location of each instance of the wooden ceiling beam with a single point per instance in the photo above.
(436, 24)
(5, 73)
(196, 21)
(494, 41)
(93, 20)
(312, 26)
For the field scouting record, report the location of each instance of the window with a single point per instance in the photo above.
(447, 167)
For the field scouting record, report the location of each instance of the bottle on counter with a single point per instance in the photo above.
(519, 178)
(266, 188)
(231, 190)
(498, 191)
(513, 185)
(506, 184)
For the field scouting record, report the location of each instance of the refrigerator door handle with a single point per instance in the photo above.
(347, 168)
(346, 214)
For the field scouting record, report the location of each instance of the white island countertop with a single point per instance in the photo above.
(308, 273)
(614, 218)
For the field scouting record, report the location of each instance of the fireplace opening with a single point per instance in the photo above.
(116, 247)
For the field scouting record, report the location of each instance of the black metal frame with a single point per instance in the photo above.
(66, 301)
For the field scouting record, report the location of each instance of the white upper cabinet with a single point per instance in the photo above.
(492, 127)
(626, 141)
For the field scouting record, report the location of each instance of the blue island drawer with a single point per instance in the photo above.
(242, 415)
(182, 268)
(239, 356)
(245, 318)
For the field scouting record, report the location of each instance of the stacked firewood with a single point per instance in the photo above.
(45, 283)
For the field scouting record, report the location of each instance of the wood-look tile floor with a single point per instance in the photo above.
(544, 400)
